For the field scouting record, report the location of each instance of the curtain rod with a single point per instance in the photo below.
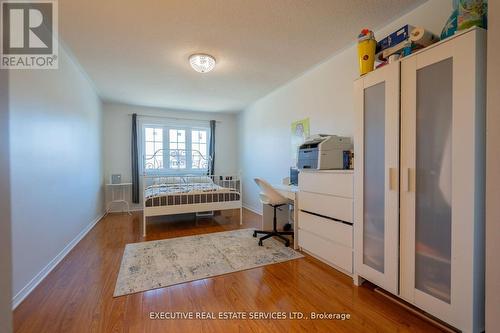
(173, 118)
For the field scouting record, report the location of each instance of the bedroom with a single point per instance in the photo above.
(125, 142)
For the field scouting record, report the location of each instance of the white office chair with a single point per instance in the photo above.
(269, 196)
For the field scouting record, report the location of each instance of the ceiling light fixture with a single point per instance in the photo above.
(202, 63)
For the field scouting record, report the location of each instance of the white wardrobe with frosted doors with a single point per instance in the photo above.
(419, 179)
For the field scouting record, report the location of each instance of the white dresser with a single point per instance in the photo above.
(326, 216)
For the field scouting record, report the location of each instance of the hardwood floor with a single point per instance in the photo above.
(78, 295)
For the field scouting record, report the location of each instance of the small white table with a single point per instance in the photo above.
(118, 192)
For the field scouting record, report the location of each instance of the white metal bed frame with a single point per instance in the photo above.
(227, 197)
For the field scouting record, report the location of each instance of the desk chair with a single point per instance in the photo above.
(269, 196)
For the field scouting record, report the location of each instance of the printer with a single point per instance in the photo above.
(323, 151)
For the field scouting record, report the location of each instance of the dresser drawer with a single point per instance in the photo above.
(337, 232)
(326, 205)
(332, 183)
(332, 253)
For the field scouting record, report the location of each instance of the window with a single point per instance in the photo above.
(175, 148)
(198, 149)
(154, 145)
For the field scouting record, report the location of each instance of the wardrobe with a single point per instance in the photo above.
(420, 176)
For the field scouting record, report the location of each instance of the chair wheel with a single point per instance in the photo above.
(255, 233)
(260, 243)
(287, 244)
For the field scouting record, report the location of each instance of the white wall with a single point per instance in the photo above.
(324, 94)
(56, 166)
(492, 172)
(117, 139)
(5, 222)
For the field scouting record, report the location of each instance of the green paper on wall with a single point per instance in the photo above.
(300, 131)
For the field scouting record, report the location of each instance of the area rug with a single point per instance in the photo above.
(162, 263)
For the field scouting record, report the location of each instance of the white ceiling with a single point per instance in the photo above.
(137, 52)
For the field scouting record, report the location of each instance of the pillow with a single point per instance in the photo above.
(198, 179)
(169, 180)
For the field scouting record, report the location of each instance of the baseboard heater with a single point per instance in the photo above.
(205, 214)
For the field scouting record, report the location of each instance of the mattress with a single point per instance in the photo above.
(188, 193)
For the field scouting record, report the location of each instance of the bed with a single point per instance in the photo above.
(181, 194)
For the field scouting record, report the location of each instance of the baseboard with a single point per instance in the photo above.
(253, 210)
(21, 295)
(135, 209)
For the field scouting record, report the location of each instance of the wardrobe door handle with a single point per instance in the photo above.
(410, 180)
(392, 181)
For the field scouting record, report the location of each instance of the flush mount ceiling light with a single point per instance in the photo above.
(202, 63)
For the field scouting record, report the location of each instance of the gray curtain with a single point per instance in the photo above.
(135, 161)
(211, 148)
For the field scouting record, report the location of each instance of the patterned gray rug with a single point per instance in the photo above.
(162, 263)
